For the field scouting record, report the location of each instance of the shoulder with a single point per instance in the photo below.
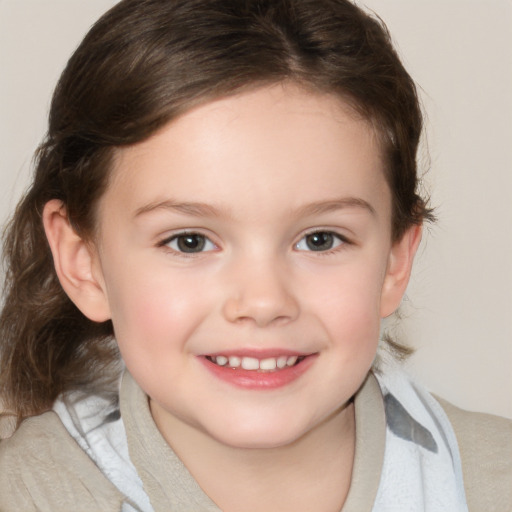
(485, 445)
(44, 469)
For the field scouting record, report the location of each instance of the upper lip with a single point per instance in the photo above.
(257, 353)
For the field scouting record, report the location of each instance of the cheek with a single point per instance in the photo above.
(151, 310)
(348, 304)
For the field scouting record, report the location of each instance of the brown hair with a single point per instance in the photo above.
(141, 65)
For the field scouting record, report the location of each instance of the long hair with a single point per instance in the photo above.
(141, 65)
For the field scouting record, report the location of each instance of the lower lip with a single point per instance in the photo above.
(253, 379)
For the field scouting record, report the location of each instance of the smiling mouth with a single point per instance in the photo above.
(268, 364)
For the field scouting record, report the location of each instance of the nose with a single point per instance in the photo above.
(261, 294)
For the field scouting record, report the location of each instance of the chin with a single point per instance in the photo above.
(258, 442)
(258, 436)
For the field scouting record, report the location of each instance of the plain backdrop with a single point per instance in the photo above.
(458, 310)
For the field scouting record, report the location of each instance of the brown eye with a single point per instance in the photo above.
(319, 241)
(189, 243)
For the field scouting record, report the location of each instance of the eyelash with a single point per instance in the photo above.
(339, 240)
(165, 243)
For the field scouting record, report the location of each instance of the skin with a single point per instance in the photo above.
(253, 175)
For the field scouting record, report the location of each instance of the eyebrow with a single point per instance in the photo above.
(187, 208)
(197, 209)
(336, 204)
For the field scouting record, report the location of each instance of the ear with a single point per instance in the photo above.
(76, 264)
(398, 271)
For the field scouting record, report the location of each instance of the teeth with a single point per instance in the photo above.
(234, 362)
(268, 364)
(291, 360)
(251, 363)
(281, 361)
(222, 360)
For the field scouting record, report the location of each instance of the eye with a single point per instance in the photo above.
(319, 241)
(189, 243)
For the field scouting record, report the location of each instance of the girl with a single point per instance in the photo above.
(224, 209)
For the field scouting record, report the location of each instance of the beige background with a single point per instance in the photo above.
(459, 304)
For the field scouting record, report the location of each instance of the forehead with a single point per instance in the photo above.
(246, 150)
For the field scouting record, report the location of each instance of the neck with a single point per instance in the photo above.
(281, 478)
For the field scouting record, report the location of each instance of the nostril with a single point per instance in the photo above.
(261, 312)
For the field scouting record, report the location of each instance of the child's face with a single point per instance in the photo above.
(254, 229)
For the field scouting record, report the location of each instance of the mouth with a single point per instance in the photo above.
(254, 364)
(254, 369)
(259, 371)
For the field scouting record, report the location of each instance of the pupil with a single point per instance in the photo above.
(321, 241)
(191, 243)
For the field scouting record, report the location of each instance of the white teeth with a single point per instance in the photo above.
(250, 363)
(281, 361)
(268, 364)
(234, 362)
(291, 360)
(221, 360)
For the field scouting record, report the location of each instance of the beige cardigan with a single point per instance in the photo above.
(42, 468)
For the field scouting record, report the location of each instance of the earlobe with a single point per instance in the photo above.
(399, 268)
(75, 264)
